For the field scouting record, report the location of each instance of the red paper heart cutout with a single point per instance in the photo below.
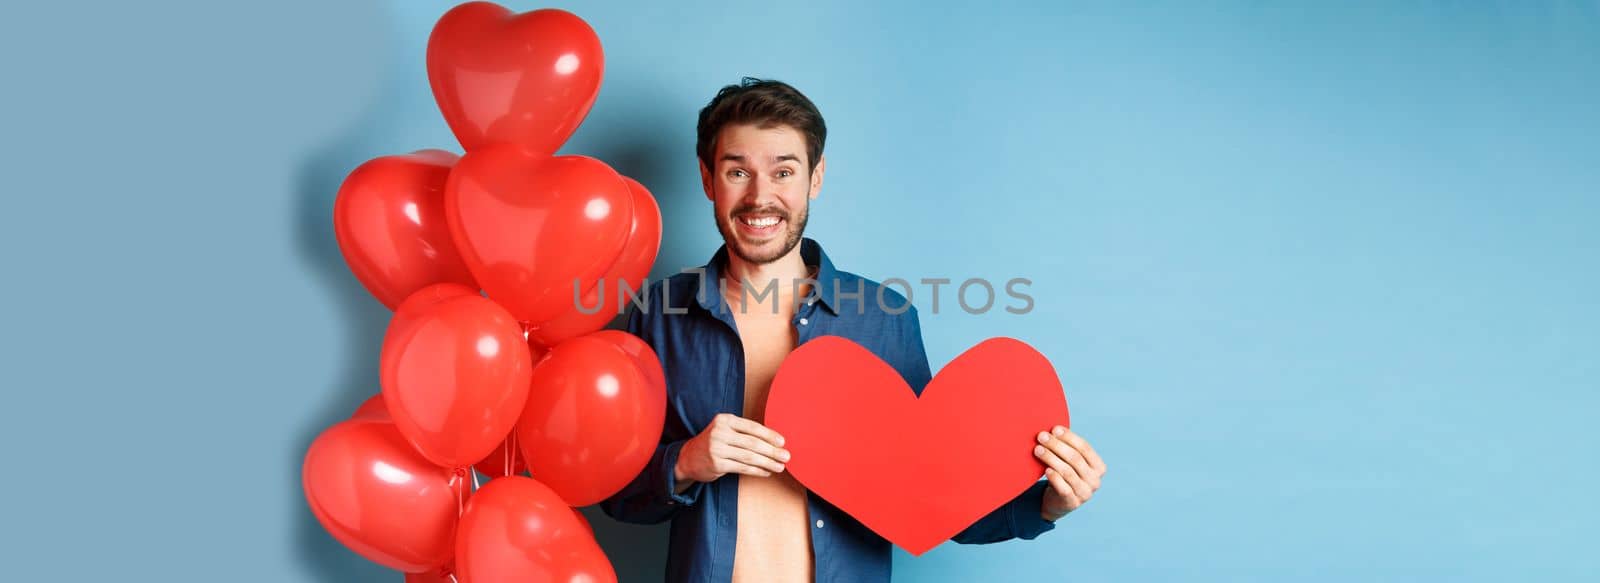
(917, 471)
(527, 79)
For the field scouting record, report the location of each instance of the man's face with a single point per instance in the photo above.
(761, 189)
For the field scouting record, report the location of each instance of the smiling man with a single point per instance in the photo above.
(721, 333)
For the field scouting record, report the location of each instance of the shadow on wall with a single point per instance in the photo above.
(634, 144)
(363, 318)
(637, 552)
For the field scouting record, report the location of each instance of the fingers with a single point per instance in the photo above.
(759, 446)
(1063, 489)
(742, 446)
(728, 466)
(1076, 484)
(1079, 443)
(1078, 466)
(727, 451)
(1075, 469)
(749, 427)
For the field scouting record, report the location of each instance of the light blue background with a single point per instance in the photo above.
(1320, 278)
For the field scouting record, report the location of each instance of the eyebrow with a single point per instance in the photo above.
(741, 159)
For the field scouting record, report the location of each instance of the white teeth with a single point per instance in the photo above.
(761, 221)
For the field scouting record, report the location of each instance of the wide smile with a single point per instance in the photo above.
(759, 226)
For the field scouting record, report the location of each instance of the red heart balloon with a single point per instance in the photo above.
(915, 470)
(526, 79)
(592, 420)
(441, 575)
(532, 228)
(389, 220)
(370, 490)
(516, 530)
(638, 254)
(455, 375)
(372, 409)
(505, 460)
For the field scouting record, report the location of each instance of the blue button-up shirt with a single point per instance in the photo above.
(686, 321)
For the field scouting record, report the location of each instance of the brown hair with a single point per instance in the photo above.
(764, 103)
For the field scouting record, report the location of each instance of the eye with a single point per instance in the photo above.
(785, 173)
(736, 173)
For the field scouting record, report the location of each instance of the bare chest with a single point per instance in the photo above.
(767, 340)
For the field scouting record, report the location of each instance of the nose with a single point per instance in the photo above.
(759, 194)
(768, 193)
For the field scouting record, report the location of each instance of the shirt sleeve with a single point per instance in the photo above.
(1019, 518)
(916, 370)
(652, 495)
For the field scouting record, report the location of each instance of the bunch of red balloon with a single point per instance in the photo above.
(489, 361)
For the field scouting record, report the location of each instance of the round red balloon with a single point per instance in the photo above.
(628, 273)
(583, 520)
(531, 228)
(642, 355)
(516, 530)
(373, 493)
(592, 419)
(420, 303)
(526, 79)
(389, 220)
(455, 376)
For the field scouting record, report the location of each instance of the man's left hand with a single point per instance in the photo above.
(1073, 468)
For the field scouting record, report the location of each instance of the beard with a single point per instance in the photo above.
(794, 228)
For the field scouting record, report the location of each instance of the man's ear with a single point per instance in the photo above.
(816, 176)
(705, 181)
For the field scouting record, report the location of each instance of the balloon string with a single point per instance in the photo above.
(511, 452)
(474, 480)
(459, 484)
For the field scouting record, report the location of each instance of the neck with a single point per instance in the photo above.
(785, 271)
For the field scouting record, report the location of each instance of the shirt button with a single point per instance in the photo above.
(802, 323)
(819, 523)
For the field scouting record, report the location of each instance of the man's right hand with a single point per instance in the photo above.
(730, 445)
